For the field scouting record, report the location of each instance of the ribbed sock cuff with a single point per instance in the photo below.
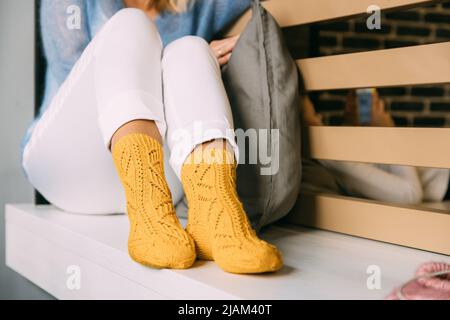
(141, 140)
(211, 155)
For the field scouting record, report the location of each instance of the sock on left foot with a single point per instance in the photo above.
(216, 219)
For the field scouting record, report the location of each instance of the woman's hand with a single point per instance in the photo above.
(310, 116)
(224, 48)
(380, 117)
(351, 116)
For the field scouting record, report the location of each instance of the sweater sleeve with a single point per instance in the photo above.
(397, 184)
(212, 17)
(226, 12)
(63, 45)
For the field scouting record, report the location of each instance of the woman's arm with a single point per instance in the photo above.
(395, 184)
(434, 182)
(226, 12)
(63, 44)
(398, 184)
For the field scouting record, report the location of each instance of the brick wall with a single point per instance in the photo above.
(410, 106)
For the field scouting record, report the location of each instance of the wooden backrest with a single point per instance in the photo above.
(427, 147)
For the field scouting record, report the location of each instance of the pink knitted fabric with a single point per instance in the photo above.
(426, 288)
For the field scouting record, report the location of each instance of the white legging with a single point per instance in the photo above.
(124, 74)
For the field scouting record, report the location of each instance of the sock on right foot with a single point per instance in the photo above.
(156, 238)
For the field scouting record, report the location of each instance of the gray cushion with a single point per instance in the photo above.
(261, 79)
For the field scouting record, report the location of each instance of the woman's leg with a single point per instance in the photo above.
(129, 62)
(113, 93)
(146, 127)
(203, 153)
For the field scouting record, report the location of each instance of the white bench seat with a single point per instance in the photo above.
(42, 242)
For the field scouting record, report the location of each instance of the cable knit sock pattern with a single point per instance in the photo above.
(217, 220)
(156, 238)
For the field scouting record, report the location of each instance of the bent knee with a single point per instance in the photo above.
(188, 47)
(128, 15)
(132, 28)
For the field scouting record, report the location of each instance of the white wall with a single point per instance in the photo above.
(16, 111)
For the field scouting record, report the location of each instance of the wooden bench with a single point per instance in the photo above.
(47, 246)
(43, 242)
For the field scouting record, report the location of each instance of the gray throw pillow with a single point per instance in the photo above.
(262, 83)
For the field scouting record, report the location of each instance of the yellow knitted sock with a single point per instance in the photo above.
(217, 220)
(156, 238)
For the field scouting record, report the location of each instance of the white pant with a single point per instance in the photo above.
(124, 74)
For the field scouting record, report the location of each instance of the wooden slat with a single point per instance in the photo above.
(425, 147)
(297, 12)
(416, 65)
(411, 227)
